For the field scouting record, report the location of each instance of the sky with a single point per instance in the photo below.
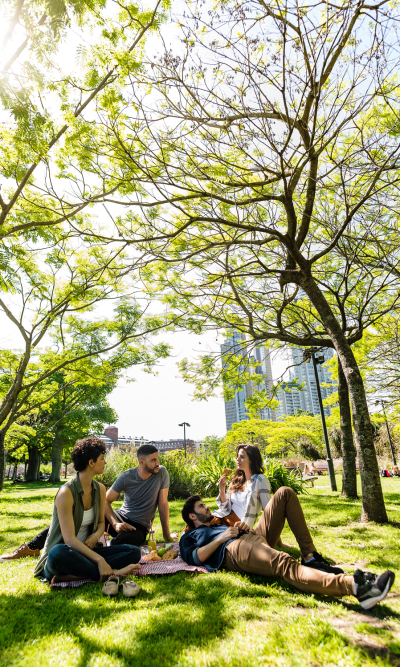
(153, 406)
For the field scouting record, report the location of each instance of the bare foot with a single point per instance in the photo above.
(129, 569)
(58, 579)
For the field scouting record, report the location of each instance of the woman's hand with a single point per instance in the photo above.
(91, 541)
(105, 570)
(222, 485)
(222, 482)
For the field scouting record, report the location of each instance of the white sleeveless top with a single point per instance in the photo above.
(87, 521)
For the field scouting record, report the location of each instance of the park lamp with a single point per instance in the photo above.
(184, 424)
(307, 354)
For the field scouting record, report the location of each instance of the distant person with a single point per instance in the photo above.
(396, 471)
(249, 490)
(242, 549)
(313, 469)
(145, 488)
(72, 550)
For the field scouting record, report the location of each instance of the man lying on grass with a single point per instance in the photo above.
(241, 549)
(72, 550)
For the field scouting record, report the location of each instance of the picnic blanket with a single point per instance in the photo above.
(148, 567)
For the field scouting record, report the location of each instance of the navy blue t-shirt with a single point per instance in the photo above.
(199, 537)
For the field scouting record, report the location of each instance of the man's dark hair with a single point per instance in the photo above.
(85, 450)
(146, 450)
(188, 508)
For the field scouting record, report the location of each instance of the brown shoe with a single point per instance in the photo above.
(22, 552)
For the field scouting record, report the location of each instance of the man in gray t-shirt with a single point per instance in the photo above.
(145, 488)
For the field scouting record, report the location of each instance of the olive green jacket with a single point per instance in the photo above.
(55, 535)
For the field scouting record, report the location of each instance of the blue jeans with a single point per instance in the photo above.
(64, 560)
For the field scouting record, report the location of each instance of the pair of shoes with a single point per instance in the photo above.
(129, 588)
(372, 588)
(320, 563)
(22, 552)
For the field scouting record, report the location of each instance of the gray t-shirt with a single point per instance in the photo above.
(141, 496)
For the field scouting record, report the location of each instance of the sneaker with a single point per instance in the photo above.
(22, 552)
(320, 563)
(372, 588)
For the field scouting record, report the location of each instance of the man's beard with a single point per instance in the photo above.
(203, 517)
(152, 471)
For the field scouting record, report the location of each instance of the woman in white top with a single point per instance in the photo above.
(249, 490)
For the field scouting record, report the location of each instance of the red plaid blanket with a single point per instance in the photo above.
(168, 566)
(148, 567)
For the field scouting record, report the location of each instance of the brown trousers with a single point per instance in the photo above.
(255, 553)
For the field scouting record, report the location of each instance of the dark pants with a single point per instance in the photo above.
(63, 560)
(135, 537)
(39, 540)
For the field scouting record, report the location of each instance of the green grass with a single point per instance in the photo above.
(202, 620)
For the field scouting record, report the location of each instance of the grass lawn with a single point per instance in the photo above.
(195, 620)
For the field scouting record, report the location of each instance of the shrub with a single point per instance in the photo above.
(194, 475)
(279, 476)
(118, 460)
(208, 470)
(182, 473)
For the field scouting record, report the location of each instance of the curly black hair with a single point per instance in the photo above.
(85, 450)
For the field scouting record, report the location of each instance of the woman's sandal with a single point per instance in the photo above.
(130, 588)
(111, 586)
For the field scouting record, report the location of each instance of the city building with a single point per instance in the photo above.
(235, 409)
(112, 439)
(300, 372)
(171, 445)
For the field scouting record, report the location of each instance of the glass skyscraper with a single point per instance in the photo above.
(235, 409)
(293, 399)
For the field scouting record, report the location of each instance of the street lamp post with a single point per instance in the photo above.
(388, 432)
(252, 437)
(320, 360)
(184, 424)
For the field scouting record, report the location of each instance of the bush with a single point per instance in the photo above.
(208, 471)
(194, 475)
(181, 473)
(279, 476)
(118, 460)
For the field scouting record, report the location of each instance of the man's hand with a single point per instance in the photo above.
(123, 527)
(243, 527)
(91, 541)
(105, 570)
(170, 538)
(230, 532)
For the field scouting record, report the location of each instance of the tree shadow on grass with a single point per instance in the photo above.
(178, 613)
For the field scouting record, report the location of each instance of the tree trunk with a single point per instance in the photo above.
(32, 474)
(2, 458)
(56, 458)
(349, 481)
(373, 504)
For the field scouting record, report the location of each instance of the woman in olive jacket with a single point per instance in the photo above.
(72, 550)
